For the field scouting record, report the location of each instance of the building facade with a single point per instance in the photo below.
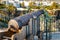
(16, 3)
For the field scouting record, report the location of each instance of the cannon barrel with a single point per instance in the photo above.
(21, 21)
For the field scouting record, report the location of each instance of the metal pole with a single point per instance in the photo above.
(46, 30)
(38, 26)
(45, 24)
(50, 30)
(27, 31)
(33, 27)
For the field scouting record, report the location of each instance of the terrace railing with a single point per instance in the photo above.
(33, 26)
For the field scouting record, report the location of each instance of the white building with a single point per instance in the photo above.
(16, 3)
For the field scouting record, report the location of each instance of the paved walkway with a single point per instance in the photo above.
(56, 36)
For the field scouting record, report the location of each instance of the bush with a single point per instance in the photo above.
(2, 6)
(54, 5)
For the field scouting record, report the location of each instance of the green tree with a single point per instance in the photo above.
(32, 5)
(54, 5)
(11, 11)
(2, 6)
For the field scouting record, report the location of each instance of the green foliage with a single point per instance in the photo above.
(54, 5)
(4, 18)
(48, 8)
(11, 8)
(2, 6)
(33, 5)
(4, 22)
(6, 15)
(58, 6)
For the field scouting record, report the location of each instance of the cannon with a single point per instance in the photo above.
(19, 22)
